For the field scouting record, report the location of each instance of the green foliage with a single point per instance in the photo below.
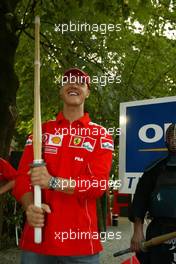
(139, 54)
(11, 218)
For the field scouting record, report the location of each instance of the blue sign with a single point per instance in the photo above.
(142, 141)
(141, 150)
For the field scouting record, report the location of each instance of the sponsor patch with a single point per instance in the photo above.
(50, 150)
(107, 144)
(55, 140)
(76, 141)
(45, 138)
(89, 143)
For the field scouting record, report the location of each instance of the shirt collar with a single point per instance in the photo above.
(84, 120)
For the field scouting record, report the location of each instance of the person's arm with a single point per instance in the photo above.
(140, 206)
(23, 190)
(98, 171)
(7, 186)
(26, 200)
(141, 200)
(138, 235)
(90, 185)
(8, 172)
(35, 215)
(40, 176)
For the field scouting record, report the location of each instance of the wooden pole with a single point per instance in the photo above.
(150, 243)
(157, 240)
(37, 128)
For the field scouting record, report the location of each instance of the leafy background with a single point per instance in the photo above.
(142, 53)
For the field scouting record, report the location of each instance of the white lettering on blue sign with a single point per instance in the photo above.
(159, 132)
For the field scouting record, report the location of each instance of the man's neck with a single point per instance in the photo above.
(73, 113)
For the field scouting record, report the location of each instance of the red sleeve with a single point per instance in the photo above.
(23, 183)
(7, 171)
(95, 182)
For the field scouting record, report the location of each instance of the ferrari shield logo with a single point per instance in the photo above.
(77, 140)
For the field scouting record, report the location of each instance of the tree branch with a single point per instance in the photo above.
(159, 77)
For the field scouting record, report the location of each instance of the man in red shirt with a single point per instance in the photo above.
(7, 176)
(78, 156)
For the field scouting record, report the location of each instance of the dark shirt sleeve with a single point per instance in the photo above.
(141, 200)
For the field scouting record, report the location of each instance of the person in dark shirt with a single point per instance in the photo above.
(156, 194)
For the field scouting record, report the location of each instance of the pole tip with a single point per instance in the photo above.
(37, 20)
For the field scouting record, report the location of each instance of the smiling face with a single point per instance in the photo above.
(74, 93)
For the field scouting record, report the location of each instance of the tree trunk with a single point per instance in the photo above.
(8, 79)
